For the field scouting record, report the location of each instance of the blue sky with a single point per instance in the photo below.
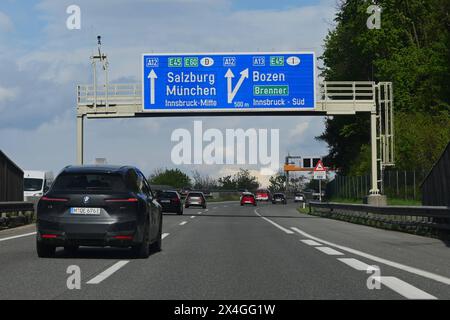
(28, 26)
(41, 62)
(270, 4)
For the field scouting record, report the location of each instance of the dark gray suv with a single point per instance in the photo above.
(99, 206)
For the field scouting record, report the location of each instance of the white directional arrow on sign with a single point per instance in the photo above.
(231, 93)
(152, 76)
(229, 75)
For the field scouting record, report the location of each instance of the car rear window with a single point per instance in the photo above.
(89, 182)
(166, 195)
(278, 196)
(193, 194)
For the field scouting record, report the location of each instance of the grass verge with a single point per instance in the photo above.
(375, 222)
(390, 201)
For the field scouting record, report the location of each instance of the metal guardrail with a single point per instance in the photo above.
(437, 218)
(12, 213)
(347, 90)
(131, 93)
(16, 206)
(115, 94)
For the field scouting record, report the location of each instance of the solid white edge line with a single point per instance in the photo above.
(273, 223)
(329, 251)
(183, 223)
(311, 242)
(18, 236)
(108, 272)
(403, 288)
(393, 264)
(164, 235)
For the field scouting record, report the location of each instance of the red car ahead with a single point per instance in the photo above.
(248, 198)
(262, 195)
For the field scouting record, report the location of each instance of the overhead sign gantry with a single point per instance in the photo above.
(236, 84)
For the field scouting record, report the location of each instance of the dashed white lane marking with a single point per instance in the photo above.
(225, 206)
(192, 217)
(214, 207)
(403, 288)
(275, 224)
(105, 274)
(419, 272)
(206, 210)
(355, 264)
(183, 223)
(311, 242)
(199, 212)
(18, 236)
(164, 235)
(329, 251)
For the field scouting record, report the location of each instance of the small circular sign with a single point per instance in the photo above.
(207, 61)
(293, 61)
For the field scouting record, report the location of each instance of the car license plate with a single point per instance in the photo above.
(85, 211)
(165, 201)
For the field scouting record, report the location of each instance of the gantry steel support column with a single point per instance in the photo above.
(80, 139)
(373, 140)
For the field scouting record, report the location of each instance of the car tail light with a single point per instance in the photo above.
(123, 237)
(54, 199)
(49, 236)
(122, 200)
(175, 200)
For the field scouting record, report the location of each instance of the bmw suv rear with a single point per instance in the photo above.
(99, 206)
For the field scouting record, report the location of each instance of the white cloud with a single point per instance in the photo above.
(8, 94)
(47, 147)
(6, 23)
(133, 27)
(59, 66)
(299, 130)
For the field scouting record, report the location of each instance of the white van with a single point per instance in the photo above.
(36, 183)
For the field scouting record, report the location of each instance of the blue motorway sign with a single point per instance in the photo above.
(228, 82)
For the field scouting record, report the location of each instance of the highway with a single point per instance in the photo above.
(233, 252)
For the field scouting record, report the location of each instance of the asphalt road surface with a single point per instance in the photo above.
(233, 252)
